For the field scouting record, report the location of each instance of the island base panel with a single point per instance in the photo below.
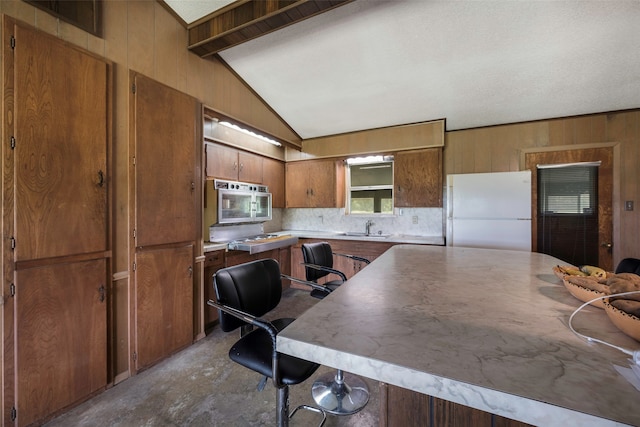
(402, 407)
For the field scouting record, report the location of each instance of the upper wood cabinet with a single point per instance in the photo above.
(273, 177)
(229, 163)
(418, 178)
(315, 184)
(225, 162)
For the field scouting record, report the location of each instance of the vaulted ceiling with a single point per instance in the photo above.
(367, 64)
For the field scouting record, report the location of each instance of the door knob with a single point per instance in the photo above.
(606, 245)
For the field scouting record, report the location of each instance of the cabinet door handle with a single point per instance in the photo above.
(101, 291)
(190, 271)
(241, 166)
(100, 178)
(235, 165)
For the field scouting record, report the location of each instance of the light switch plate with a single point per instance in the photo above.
(628, 205)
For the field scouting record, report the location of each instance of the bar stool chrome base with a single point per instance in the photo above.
(339, 393)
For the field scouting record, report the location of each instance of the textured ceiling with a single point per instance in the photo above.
(371, 63)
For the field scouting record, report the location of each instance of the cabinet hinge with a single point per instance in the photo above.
(135, 356)
(13, 142)
(134, 233)
(12, 290)
(13, 42)
(13, 243)
(14, 413)
(134, 160)
(133, 88)
(134, 266)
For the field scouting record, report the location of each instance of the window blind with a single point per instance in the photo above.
(568, 212)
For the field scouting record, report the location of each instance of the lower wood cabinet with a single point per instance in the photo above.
(365, 249)
(213, 262)
(240, 257)
(163, 303)
(61, 336)
(405, 408)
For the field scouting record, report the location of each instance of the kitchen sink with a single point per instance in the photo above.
(359, 234)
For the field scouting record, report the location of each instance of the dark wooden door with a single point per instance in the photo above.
(61, 338)
(163, 303)
(167, 193)
(61, 148)
(604, 233)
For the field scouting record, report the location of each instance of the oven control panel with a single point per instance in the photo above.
(239, 186)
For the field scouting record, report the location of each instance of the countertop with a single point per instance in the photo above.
(480, 327)
(393, 238)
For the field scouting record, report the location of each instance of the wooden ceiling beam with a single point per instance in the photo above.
(247, 20)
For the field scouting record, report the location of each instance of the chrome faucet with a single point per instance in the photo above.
(368, 225)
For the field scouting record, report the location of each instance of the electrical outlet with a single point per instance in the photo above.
(414, 219)
(628, 205)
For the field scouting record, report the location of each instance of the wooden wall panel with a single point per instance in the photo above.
(140, 37)
(373, 141)
(165, 65)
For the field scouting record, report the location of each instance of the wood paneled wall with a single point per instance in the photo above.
(501, 149)
(373, 141)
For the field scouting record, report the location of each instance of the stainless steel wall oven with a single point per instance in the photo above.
(240, 202)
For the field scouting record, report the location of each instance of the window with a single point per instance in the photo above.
(84, 14)
(568, 189)
(370, 185)
(568, 212)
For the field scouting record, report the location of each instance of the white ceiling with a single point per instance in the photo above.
(192, 10)
(374, 63)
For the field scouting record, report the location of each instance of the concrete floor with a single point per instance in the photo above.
(201, 386)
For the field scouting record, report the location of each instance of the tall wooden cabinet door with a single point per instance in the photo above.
(273, 177)
(61, 336)
(165, 141)
(61, 135)
(222, 162)
(163, 303)
(418, 178)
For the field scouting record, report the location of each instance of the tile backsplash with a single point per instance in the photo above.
(408, 221)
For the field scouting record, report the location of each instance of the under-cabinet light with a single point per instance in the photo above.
(248, 132)
(369, 159)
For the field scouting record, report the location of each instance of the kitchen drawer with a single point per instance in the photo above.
(215, 258)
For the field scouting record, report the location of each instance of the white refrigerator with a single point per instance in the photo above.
(489, 210)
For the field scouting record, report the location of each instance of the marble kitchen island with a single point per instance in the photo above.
(482, 328)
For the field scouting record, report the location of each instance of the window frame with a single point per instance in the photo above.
(349, 188)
